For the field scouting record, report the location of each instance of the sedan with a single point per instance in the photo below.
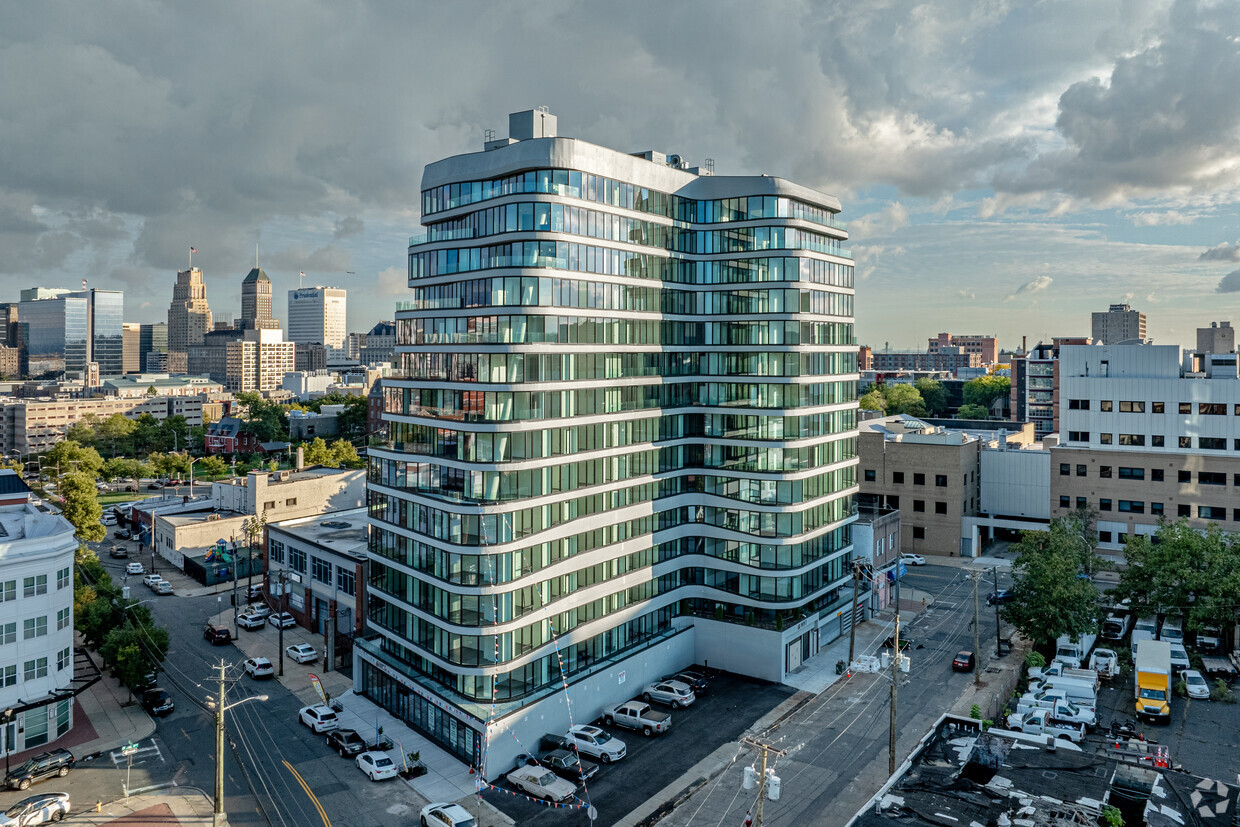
(36, 809)
(258, 609)
(1000, 597)
(376, 765)
(346, 743)
(302, 653)
(963, 662)
(123, 534)
(151, 580)
(162, 587)
(135, 568)
(540, 782)
(283, 620)
(446, 814)
(259, 668)
(158, 702)
(912, 559)
(672, 693)
(1196, 683)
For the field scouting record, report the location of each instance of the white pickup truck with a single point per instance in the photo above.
(1079, 693)
(1105, 662)
(1059, 708)
(1041, 722)
(1057, 672)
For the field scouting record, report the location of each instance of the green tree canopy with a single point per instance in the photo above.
(1049, 599)
(316, 452)
(212, 466)
(68, 452)
(904, 399)
(343, 454)
(984, 390)
(967, 411)
(81, 506)
(114, 434)
(933, 394)
(873, 401)
(266, 420)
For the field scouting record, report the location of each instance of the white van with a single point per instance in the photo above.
(1172, 630)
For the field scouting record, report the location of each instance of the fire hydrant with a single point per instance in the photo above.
(98, 806)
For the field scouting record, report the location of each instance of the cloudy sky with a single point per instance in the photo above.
(1004, 166)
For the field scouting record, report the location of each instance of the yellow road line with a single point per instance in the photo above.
(327, 822)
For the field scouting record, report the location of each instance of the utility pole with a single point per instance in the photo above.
(852, 626)
(998, 644)
(895, 683)
(283, 609)
(975, 576)
(764, 748)
(236, 630)
(218, 819)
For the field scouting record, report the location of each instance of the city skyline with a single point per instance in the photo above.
(1012, 170)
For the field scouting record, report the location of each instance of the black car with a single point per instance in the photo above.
(553, 742)
(963, 662)
(1000, 597)
(217, 635)
(57, 763)
(346, 742)
(905, 642)
(158, 702)
(566, 764)
(693, 679)
(147, 681)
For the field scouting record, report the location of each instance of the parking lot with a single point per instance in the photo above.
(721, 715)
(1203, 736)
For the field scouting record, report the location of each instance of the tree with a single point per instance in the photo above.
(114, 432)
(873, 401)
(933, 394)
(1183, 569)
(984, 390)
(83, 431)
(14, 465)
(67, 452)
(212, 466)
(81, 507)
(904, 399)
(1048, 597)
(344, 454)
(972, 412)
(316, 452)
(267, 421)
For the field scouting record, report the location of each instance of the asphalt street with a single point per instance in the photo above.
(837, 742)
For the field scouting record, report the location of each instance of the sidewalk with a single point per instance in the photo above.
(182, 805)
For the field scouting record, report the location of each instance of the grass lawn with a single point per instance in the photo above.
(114, 497)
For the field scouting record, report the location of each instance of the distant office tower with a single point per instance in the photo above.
(379, 345)
(983, 344)
(256, 302)
(310, 357)
(34, 294)
(63, 333)
(258, 361)
(189, 316)
(628, 378)
(140, 340)
(1120, 324)
(1219, 337)
(156, 361)
(317, 314)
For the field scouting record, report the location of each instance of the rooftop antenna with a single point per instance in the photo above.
(710, 165)
(301, 280)
(255, 255)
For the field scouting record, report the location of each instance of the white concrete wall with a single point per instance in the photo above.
(734, 647)
(1016, 483)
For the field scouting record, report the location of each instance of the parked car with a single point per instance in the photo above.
(259, 668)
(282, 620)
(154, 486)
(596, 743)
(251, 620)
(152, 580)
(563, 762)
(1179, 657)
(134, 568)
(163, 587)
(345, 742)
(1000, 597)
(671, 693)
(36, 809)
(541, 782)
(121, 534)
(253, 591)
(906, 643)
(912, 559)
(258, 609)
(377, 765)
(639, 716)
(216, 635)
(1196, 683)
(302, 652)
(691, 678)
(118, 552)
(319, 717)
(963, 662)
(158, 702)
(108, 519)
(446, 814)
(176, 482)
(57, 762)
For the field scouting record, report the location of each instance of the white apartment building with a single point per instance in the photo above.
(36, 620)
(317, 314)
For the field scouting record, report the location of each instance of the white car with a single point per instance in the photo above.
(162, 587)
(108, 519)
(541, 782)
(671, 693)
(258, 609)
(594, 742)
(377, 765)
(134, 568)
(259, 668)
(250, 620)
(283, 620)
(319, 718)
(151, 580)
(36, 809)
(446, 814)
(912, 559)
(302, 652)
(1196, 683)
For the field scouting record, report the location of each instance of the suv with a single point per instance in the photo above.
(58, 762)
(446, 814)
(346, 742)
(158, 702)
(1002, 596)
(319, 718)
(594, 742)
(217, 635)
(251, 620)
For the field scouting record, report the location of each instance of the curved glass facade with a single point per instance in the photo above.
(620, 407)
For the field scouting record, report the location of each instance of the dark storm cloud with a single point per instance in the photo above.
(1230, 283)
(1223, 252)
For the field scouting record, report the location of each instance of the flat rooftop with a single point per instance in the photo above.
(196, 517)
(343, 532)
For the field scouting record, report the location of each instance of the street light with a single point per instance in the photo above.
(191, 474)
(8, 747)
(220, 709)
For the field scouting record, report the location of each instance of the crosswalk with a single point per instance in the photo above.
(140, 756)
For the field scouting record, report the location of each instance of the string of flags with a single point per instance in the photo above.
(575, 804)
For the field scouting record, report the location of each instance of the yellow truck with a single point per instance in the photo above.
(1153, 681)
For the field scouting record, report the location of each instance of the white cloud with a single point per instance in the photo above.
(1161, 219)
(1223, 252)
(1032, 286)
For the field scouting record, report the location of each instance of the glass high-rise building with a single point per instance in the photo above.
(65, 331)
(623, 438)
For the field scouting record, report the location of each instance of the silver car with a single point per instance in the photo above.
(670, 693)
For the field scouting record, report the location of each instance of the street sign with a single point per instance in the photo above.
(129, 749)
(318, 687)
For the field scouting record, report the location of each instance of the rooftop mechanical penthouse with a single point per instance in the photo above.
(624, 436)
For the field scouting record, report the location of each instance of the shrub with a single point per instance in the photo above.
(975, 712)
(1034, 660)
(1112, 817)
(1222, 693)
(1180, 689)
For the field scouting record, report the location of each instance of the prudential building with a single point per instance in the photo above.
(623, 439)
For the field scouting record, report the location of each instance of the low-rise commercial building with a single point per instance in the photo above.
(985, 345)
(32, 426)
(138, 385)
